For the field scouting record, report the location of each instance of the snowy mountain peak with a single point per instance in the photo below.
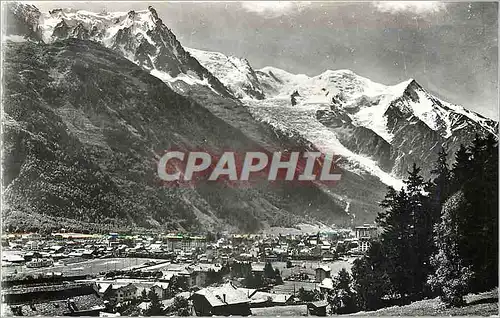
(139, 36)
(234, 72)
(368, 103)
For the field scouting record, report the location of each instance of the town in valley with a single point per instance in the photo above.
(223, 274)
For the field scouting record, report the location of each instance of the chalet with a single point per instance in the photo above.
(317, 308)
(221, 301)
(326, 285)
(257, 269)
(365, 231)
(322, 272)
(118, 293)
(89, 253)
(198, 274)
(159, 288)
(115, 290)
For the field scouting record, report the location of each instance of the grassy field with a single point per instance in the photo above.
(89, 267)
(484, 304)
(300, 310)
(289, 287)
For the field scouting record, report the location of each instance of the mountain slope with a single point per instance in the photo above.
(377, 130)
(208, 95)
(83, 128)
(143, 38)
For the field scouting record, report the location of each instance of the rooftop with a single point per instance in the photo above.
(223, 295)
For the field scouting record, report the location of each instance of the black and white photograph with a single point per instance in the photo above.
(249, 158)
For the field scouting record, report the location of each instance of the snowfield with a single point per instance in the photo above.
(301, 120)
(235, 73)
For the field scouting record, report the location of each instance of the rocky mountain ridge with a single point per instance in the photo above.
(376, 130)
(393, 125)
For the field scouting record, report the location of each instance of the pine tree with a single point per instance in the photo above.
(481, 230)
(451, 276)
(420, 232)
(342, 299)
(144, 294)
(441, 181)
(370, 279)
(396, 223)
(468, 239)
(155, 307)
(490, 215)
(293, 97)
(407, 236)
(181, 306)
(277, 277)
(461, 171)
(269, 271)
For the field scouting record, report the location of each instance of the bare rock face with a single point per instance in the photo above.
(24, 21)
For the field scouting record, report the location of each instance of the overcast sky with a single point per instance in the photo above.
(449, 48)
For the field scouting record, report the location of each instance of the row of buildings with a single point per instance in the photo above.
(23, 248)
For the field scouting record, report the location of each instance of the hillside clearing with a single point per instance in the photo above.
(483, 304)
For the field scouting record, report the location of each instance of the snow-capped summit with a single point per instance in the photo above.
(367, 103)
(139, 36)
(439, 115)
(379, 129)
(235, 73)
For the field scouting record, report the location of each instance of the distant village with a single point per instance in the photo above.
(175, 274)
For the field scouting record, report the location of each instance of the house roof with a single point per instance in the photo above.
(127, 286)
(327, 283)
(257, 267)
(215, 295)
(319, 303)
(161, 285)
(155, 246)
(263, 296)
(167, 275)
(324, 267)
(248, 291)
(80, 303)
(11, 257)
(366, 227)
(103, 287)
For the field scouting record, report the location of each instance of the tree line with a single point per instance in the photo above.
(438, 237)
